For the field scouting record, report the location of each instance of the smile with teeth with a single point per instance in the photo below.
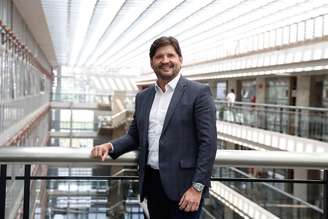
(166, 67)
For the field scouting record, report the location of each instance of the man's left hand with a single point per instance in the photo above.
(190, 200)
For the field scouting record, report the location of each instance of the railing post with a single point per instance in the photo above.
(299, 122)
(265, 118)
(325, 194)
(280, 119)
(322, 126)
(3, 176)
(27, 184)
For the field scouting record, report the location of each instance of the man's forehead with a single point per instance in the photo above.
(165, 49)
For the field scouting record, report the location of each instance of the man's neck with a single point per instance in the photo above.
(161, 83)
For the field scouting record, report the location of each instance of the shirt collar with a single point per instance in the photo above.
(171, 85)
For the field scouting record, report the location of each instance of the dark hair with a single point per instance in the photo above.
(232, 90)
(164, 41)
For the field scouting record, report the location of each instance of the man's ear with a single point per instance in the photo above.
(151, 64)
(181, 59)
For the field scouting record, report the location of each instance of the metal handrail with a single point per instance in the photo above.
(81, 157)
(236, 158)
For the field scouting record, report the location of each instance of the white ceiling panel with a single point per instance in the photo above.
(116, 34)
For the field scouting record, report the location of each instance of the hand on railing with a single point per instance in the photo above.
(101, 151)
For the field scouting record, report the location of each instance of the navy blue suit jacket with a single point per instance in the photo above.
(187, 145)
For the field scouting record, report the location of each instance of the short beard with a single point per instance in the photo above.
(167, 78)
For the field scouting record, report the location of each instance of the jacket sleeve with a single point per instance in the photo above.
(129, 141)
(205, 125)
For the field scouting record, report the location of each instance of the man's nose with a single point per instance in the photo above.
(165, 59)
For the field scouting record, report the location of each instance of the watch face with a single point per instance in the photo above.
(199, 187)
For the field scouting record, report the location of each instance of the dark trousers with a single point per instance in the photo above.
(159, 205)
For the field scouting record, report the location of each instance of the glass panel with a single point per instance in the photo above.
(318, 27)
(88, 198)
(248, 91)
(286, 35)
(255, 42)
(91, 199)
(325, 25)
(261, 41)
(325, 93)
(221, 90)
(274, 197)
(277, 91)
(301, 31)
(15, 191)
(279, 36)
(309, 29)
(95, 198)
(266, 39)
(303, 123)
(293, 33)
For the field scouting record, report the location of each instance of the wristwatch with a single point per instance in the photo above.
(198, 186)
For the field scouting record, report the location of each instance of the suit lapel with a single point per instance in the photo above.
(178, 92)
(148, 103)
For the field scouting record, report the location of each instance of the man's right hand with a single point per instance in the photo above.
(101, 151)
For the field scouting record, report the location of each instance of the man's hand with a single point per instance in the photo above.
(190, 200)
(101, 151)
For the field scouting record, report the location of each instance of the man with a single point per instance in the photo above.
(231, 97)
(174, 129)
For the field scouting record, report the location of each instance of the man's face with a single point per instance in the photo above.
(166, 63)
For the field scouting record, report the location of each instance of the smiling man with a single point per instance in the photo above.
(174, 129)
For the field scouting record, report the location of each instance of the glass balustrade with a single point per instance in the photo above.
(300, 121)
(81, 98)
(269, 195)
(75, 126)
(66, 183)
(118, 198)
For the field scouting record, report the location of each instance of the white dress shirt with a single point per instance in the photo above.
(156, 119)
(231, 97)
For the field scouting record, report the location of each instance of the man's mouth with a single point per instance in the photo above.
(165, 67)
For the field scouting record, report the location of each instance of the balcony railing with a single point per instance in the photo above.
(74, 126)
(307, 122)
(81, 157)
(82, 98)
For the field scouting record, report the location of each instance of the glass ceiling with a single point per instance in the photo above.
(116, 34)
